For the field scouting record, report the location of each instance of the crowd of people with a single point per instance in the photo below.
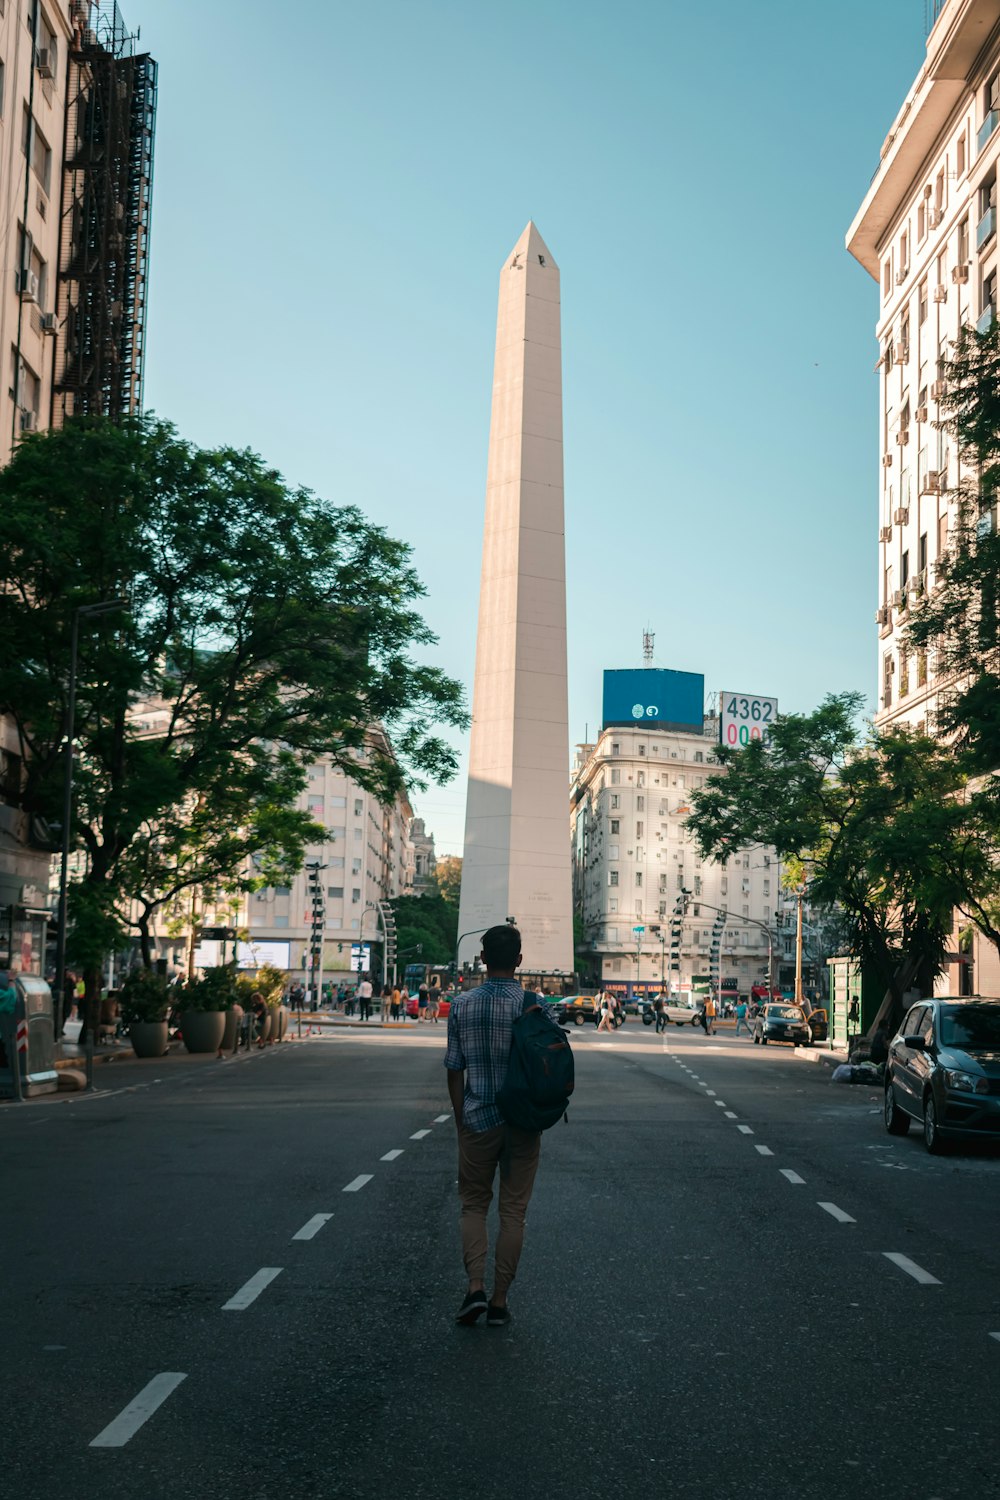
(368, 998)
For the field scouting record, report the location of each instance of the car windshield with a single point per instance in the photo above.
(784, 1013)
(974, 1028)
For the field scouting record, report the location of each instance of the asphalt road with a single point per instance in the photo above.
(706, 1304)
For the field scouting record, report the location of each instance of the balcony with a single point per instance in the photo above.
(986, 129)
(986, 317)
(987, 227)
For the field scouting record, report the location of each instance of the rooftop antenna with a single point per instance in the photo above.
(648, 639)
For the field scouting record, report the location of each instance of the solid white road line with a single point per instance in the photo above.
(744, 1130)
(390, 1155)
(358, 1183)
(310, 1229)
(837, 1213)
(252, 1290)
(128, 1421)
(440, 1119)
(764, 1150)
(730, 1114)
(418, 1135)
(911, 1268)
(791, 1176)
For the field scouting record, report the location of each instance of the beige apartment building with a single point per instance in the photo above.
(77, 118)
(633, 855)
(927, 233)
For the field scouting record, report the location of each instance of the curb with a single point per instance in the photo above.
(826, 1057)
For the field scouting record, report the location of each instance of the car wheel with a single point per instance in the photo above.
(896, 1122)
(694, 1020)
(932, 1134)
(578, 1019)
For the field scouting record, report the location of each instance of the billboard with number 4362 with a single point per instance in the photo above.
(744, 717)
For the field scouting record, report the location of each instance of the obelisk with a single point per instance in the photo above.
(517, 842)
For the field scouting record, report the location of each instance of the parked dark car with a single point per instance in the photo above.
(577, 1008)
(782, 1023)
(819, 1025)
(943, 1070)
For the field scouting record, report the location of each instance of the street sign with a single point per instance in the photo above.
(638, 929)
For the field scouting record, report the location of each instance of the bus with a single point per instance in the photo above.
(435, 976)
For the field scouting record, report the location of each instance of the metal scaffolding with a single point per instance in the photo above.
(107, 194)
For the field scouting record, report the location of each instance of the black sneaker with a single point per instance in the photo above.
(472, 1308)
(496, 1317)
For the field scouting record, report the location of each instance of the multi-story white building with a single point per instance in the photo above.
(633, 855)
(927, 233)
(424, 857)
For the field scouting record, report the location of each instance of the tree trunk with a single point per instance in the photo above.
(91, 1008)
(145, 941)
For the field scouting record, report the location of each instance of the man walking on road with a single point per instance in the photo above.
(479, 1039)
(708, 1016)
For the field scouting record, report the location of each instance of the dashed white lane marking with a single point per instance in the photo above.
(358, 1183)
(764, 1150)
(709, 1093)
(791, 1176)
(730, 1114)
(131, 1418)
(744, 1130)
(418, 1135)
(721, 1103)
(391, 1155)
(911, 1268)
(440, 1119)
(312, 1227)
(252, 1290)
(837, 1213)
(995, 1336)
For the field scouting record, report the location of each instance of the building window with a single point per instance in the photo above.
(612, 877)
(616, 748)
(355, 867)
(642, 749)
(338, 801)
(1, 87)
(280, 919)
(36, 148)
(640, 778)
(359, 807)
(887, 276)
(922, 552)
(357, 835)
(614, 851)
(638, 830)
(922, 218)
(961, 155)
(336, 891)
(355, 896)
(963, 243)
(616, 826)
(316, 807)
(612, 907)
(904, 252)
(922, 300)
(887, 670)
(335, 864)
(616, 777)
(640, 804)
(699, 758)
(615, 800)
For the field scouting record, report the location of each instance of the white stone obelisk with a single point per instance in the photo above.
(517, 843)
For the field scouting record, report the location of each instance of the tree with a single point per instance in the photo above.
(883, 828)
(958, 619)
(265, 627)
(448, 875)
(428, 922)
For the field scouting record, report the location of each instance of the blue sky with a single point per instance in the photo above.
(336, 188)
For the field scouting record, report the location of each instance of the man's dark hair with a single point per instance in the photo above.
(501, 947)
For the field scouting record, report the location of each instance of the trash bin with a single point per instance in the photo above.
(27, 1041)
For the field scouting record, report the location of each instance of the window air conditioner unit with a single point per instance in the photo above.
(901, 515)
(27, 285)
(902, 353)
(48, 322)
(903, 436)
(43, 62)
(921, 414)
(899, 599)
(882, 615)
(938, 390)
(941, 293)
(959, 274)
(901, 275)
(933, 481)
(887, 460)
(29, 420)
(936, 217)
(885, 534)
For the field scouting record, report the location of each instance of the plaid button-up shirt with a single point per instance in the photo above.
(479, 1036)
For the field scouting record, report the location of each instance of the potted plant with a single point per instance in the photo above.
(270, 983)
(203, 1005)
(145, 1001)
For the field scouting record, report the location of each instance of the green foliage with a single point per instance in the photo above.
(883, 828)
(448, 878)
(265, 627)
(268, 981)
(429, 922)
(215, 990)
(144, 996)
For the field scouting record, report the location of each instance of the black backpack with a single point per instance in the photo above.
(539, 1079)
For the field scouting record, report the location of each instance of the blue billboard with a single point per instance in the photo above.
(656, 697)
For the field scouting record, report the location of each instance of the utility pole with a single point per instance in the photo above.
(798, 948)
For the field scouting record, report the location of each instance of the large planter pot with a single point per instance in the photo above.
(233, 1018)
(148, 1038)
(202, 1030)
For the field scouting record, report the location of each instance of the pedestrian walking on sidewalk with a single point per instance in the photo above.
(386, 1003)
(422, 1003)
(365, 999)
(480, 1028)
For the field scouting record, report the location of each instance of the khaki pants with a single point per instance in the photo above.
(515, 1152)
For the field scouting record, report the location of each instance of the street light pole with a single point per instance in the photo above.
(105, 607)
(798, 949)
